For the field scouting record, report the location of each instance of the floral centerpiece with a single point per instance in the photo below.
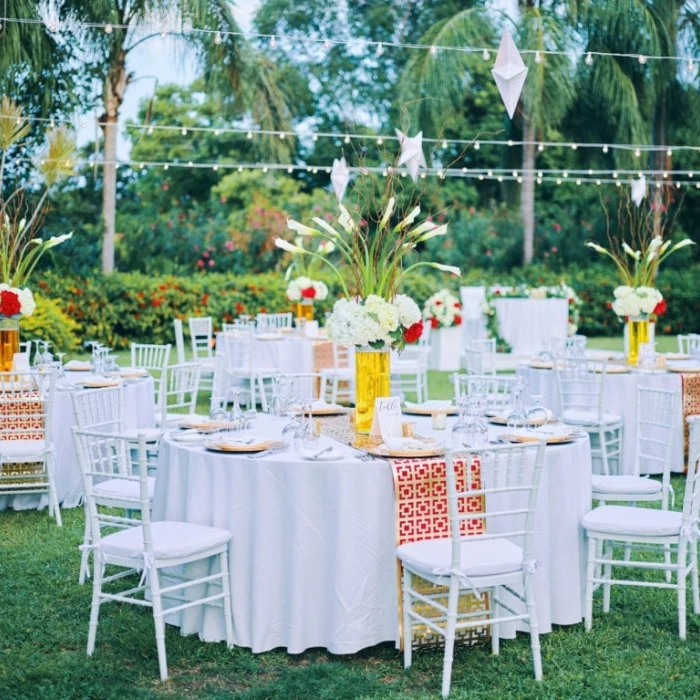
(443, 310)
(21, 246)
(637, 301)
(304, 291)
(372, 316)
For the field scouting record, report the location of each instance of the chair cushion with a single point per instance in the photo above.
(171, 540)
(582, 417)
(625, 484)
(20, 449)
(479, 558)
(123, 489)
(628, 520)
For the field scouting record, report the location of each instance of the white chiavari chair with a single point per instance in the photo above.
(479, 356)
(179, 341)
(499, 559)
(26, 451)
(498, 390)
(689, 344)
(580, 386)
(241, 368)
(274, 322)
(178, 392)
(342, 372)
(666, 531)
(154, 358)
(201, 335)
(409, 371)
(138, 545)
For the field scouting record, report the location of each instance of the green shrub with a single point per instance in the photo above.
(49, 322)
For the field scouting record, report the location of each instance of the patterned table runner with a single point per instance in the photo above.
(17, 421)
(690, 384)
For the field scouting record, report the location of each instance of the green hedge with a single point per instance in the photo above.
(120, 308)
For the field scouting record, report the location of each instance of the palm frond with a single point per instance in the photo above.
(13, 124)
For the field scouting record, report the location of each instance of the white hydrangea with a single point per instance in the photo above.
(295, 287)
(443, 309)
(635, 302)
(26, 300)
(409, 313)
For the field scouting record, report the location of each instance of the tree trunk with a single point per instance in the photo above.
(527, 195)
(115, 85)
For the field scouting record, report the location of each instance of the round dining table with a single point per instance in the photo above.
(139, 412)
(312, 558)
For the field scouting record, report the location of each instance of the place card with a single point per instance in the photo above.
(386, 421)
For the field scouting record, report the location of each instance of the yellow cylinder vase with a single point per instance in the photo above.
(9, 342)
(372, 380)
(637, 333)
(305, 310)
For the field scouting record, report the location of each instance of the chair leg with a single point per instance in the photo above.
(407, 629)
(85, 553)
(226, 590)
(495, 626)
(667, 560)
(607, 575)
(681, 594)
(450, 626)
(604, 450)
(694, 578)
(534, 627)
(159, 622)
(54, 508)
(98, 573)
(590, 570)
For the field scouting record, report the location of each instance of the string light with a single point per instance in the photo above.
(433, 50)
(540, 147)
(477, 145)
(346, 139)
(485, 55)
(184, 132)
(637, 152)
(510, 142)
(380, 49)
(642, 59)
(589, 59)
(326, 44)
(669, 153)
(108, 29)
(574, 146)
(273, 42)
(538, 57)
(217, 38)
(444, 143)
(605, 148)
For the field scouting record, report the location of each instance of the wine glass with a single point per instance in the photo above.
(217, 408)
(236, 414)
(460, 430)
(517, 417)
(537, 415)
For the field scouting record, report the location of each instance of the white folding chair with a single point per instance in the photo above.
(663, 530)
(241, 369)
(154, 358)
(179, 341)
(145, 546)
(689, 344)
(26, 451)
(341, 372)
(409, 371)
(178, 392)
(580, 385)
(498, 390)
(201, 335)
(657, 416)
(500, 560)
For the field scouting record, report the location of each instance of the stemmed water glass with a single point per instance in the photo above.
(517, 416)
(217, 408)
(537, 414)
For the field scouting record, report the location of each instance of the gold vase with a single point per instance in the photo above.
(9, 342)
(637, 333)
(372, 377)
(305, 309)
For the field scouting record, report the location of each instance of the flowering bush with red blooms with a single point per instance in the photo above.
(10, 304)
(413, 333)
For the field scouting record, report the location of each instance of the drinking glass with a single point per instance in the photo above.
(537, 414)
(517, 416)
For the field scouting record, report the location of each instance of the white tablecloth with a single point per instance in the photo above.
(288, 354)
(620, 397)
(139, 412)
(527, 323)
(312, 559)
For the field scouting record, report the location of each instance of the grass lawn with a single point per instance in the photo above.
(632, 652)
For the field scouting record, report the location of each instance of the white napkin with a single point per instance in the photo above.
(404, 443)
(77, 364)
(321, 404)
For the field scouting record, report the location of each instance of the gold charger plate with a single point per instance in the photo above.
(100, 384)
(329, 411)
(676, 356)
(550, 440)
(384, 451)
(541, 365)
(503, 420)
(614, 369)
(79, 368)
(255, 447)
(206, 425)
(418, 411)
(684, 370)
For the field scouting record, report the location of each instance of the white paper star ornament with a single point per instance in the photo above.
(639, 190)
(340, 176)
(412, 153)
(509, 72)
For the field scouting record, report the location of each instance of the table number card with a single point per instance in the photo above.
(386, 421)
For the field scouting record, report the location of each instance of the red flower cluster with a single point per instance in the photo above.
(9, 304)
(434, 323)
(458, 320)
(660, 308)
(308, 293)
(413, 333)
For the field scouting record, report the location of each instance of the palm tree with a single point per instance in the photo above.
(548, 89)
(231, 66)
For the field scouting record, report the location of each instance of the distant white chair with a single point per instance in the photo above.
(479, 356)
(154, 358)
(297, 386)
(274, 322)
(689, 344)
(498, 389)
(660, 530)
(139, 545)
(201, 335)
(179, 341)
(409, 371)
(240, 368)
(26, 451)
(178, 392)
(341, 372)
(501, 557)
(580, 386)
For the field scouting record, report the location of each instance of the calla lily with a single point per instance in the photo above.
(345, 220)
(289, 247)
(437, 231)
(596, 247)
(326, 227)
(629, 251)
(57, 240)
(447, 268)
(682, 244)
(408, 220)
(387, 212)
(301, 229)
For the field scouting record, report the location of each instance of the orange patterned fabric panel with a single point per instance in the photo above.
(323, 355)
(691, 403)
(18, 419)
(421, 498)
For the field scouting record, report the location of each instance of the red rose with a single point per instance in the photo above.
(458, 320)
(9, 304)
(308, 293)
(413, 333)
(438, 302)
(458, 305)
(660, 308)
(434, 323)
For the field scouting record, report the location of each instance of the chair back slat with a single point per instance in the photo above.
(179, 340)
(689, 344)
(657, 416)
(497, 389)
(99, 409)
(201, 334)
(179, 388)
(580, 385)
(691, 497)
(273, 322)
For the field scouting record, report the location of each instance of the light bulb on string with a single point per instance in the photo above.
(642, 59)
(346, 139)
(515, 173)
(558, 181)
(108, 28)
(52, 123)
(658, 185)
(444, 143)
(217, 38)
(691, 65)
(614, 176)
(264, 169)
(574, 146)
(249, 135)
(166, 166)
(190, 164)
(273, 42)
(150, 129)
(314, 137)
(422, 176)
(669, 153)
(216, 167)
(433, 50)
(578, 182)
(477, 145)
(538, 57)
(490, 173)
(637, 152)
(326, 44)
(597, 182)
(510, 142)
(618, 183)
(380, 49)
(589, 59)
(217, 132)
(184, 132)
(240, 169)
(290, 170)
(665, 175)
(690, 175)
(540, 147)
(565, 174)
(282, 135)
(380, 141)
(481, 177)
(605, 148)
(500, 178)
(485, 55)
